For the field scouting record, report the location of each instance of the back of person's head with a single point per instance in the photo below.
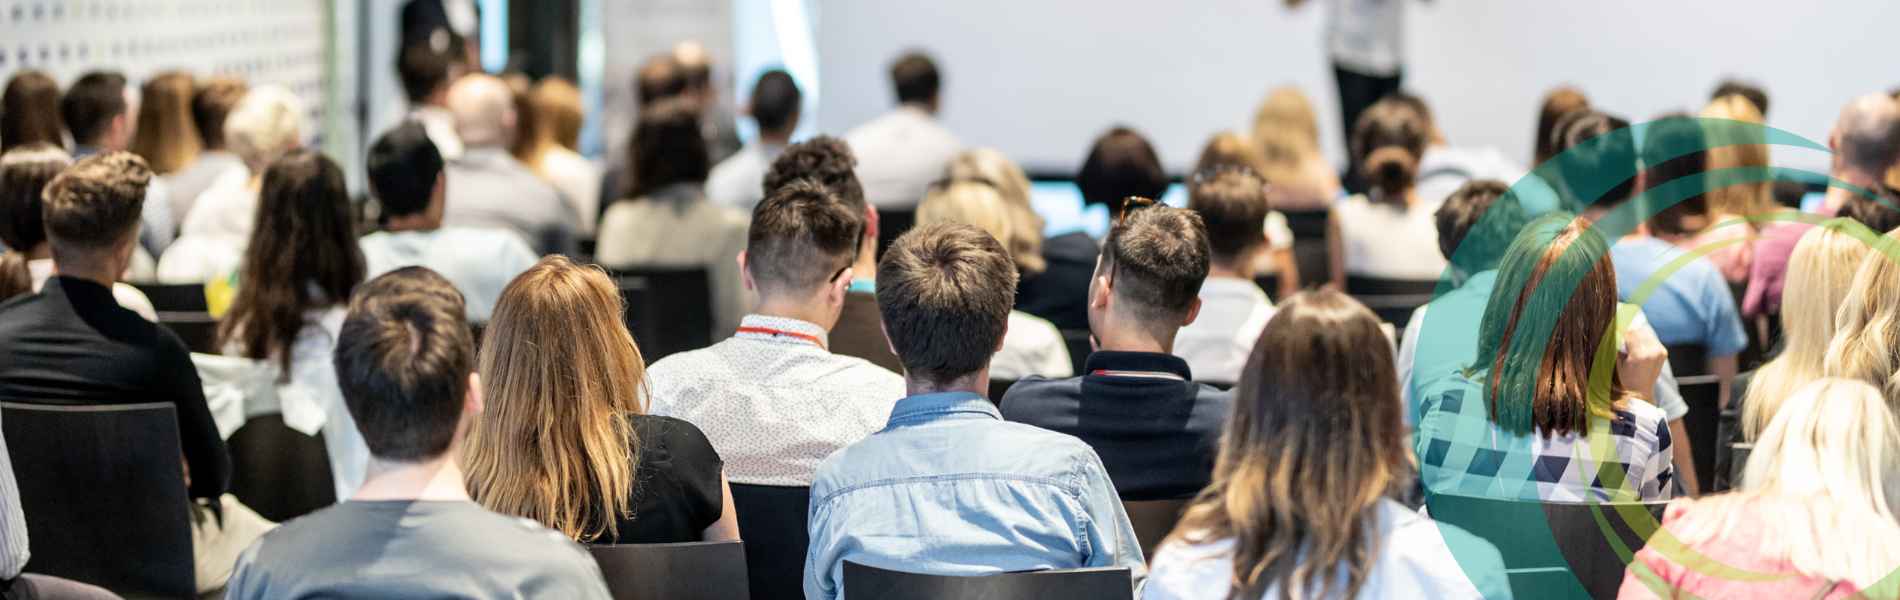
(775, 102)
(1554, 301)
(824, 159)
(1867, 135)
(484, 109)
(1313, 445)
(802, 237)
(1232, 204)
(660, 77)
(1387, 142)
(975, 203)
(1121, 164)
(166, 135)
(1559, 102)
(553, 119)
(403, 359)
(556, 444)
(1228, 150)
(695, 65)
(266, 124)
(667, 148)
(24, 172)
(1286, 130)
(1877, 213)
(29, 111)
(1154, 261)
(92, 209)
(945, 292)
(303, 205)
(1595, 147)
(1819, 276)
(1737, 146)
(427, 69)
(90, 105)
(991, 166)
(403, 168)
(1673, 155)
(915, 79)
(1417, 104)
(1754, 95)
(211, 104)
(1866, 343)
(1477, 222)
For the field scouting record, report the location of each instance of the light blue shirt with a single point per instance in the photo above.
(1693, 305)
(950, 488)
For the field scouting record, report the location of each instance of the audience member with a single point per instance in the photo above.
(1813, 516)
(563, 440)
(665, 219)
(1821, 272)
(29, 111)
(1387, 232)
(1535, 417)
(1135, 403)
(444, 24)
(1756, 97)
(289, 306)
(778, 373)
(211, 103)
(1867, 322)
(991, 166)
(1676, 183)
(828, 162)
(25, 268)
(901, 152)
(738, 180)
(1559, 102)
(948, 487)
(717, 123)
(487, 187)
(1228, 151)
(165, 135)
(1731, 200)
(264, 126)
(1318, 404)
(406, 363)
(15, 584)
(1287, 133)
(1442, 167)
(1121, 164)
(100, 115)
(427, 70)
(1031, 345)
(72, 344)
(1233, 205)
(551, 130)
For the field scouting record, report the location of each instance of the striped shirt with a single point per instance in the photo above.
(1461, 451)
(13, 552)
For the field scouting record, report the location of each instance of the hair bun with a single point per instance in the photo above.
(1390, 170)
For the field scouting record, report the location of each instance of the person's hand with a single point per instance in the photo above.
(1641, 360)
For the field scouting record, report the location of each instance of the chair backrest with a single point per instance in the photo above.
(1738, 461)
(685, 571)
(199, 331)
(104, 495)
(1269, 284)
(278, 471)
(892, 223)
(772, 521)
(175, 297)
(865, 581)
(669, 310)
(998, 387)
(1154, 520)
(1688, 360)
(1393, 300)
(1079, 349)
(1702, 394)
(1310, 253)
(1590, 543)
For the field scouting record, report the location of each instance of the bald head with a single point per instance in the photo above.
(1867, 136)
(484, 110)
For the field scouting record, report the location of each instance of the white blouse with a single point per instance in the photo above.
(1389, 241)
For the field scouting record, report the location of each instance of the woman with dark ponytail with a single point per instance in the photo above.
(1386, 232)
(28, 258)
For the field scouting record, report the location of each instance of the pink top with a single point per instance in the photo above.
(1734, 549)
(1770, 268)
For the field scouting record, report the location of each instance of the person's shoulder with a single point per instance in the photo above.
(1180, 569)
(1437, 550)
(1030, 399)
(685, 363)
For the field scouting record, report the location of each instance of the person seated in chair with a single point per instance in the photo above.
(1136, 403)
(406, 361)
(1232, 204)
(829, 162)
(948, 487)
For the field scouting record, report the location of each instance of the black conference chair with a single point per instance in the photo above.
(684, 571)
(865, 581)
(278, 471)
(174, 297)
(1738, 461)
(104, 495)
(669, 310)
(892, 223)
(772, 521)
(182, 309)
(1270, 285)
(1393, 300)
(1702, 392)
(998, 387)
(1557, 550)
(1079, 349)
(1728, 433)
(1154, 520)
(1309, 246)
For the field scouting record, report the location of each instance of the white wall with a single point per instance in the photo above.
(1040, 78)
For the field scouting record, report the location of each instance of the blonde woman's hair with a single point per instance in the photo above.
(991, 166)
(971, 203)
(1819, 274)
(552, 119)
(265, 125)
(1866, 343)
(166, 136)
(1726, 152)
(561, 377)
(1827, 473)
(1286, 130)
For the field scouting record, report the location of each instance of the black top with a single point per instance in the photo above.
(678, 493)
(1156, 435)
(1061, 293)
(72, 344)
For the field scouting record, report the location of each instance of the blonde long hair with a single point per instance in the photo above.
(971, 203)
(1742, 198)
(1819, 272)
(561, 377)
(1025, 235)
(166, 135)
(1827, 470)
(1286, 130)
(551, 119)
(1866, 343)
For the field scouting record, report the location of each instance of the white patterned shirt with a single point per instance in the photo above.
(773, 400)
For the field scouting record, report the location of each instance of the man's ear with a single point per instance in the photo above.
(1194, 310)
(887, 340)
(1101, 293)
(745, 274)
(834, 295)
(472, 401)
(870, 221)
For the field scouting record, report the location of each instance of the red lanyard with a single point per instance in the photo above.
(783, 333)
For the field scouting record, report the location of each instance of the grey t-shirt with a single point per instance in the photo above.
(414, 549)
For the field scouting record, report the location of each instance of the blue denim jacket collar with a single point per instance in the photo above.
(923, 408)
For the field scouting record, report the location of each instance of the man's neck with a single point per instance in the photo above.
(976, 383)
(1239, 268)
(40, 252)
(105, 277)
(1837, 196)
(438, 478)
(1134, 339)
(807, 310)
(415, 222)
(783, 138)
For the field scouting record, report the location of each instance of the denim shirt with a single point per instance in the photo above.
(950, 488)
